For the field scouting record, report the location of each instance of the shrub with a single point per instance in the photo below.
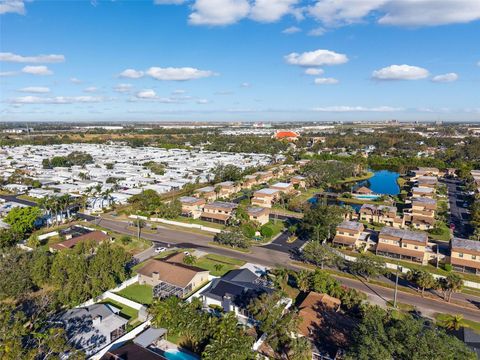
(266, 230)
(448, 267)
(125, 239)
(248, 230)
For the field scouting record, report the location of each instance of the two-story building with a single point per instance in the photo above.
(427, 181)
(258, 214)
(208, 193)
(192, 206)
(403, 244)
(382, 214)
(418, 191)
(265, 197)
(349, 234)
(226, 189)
(465, 255)
(299, 180)
(284, 187)
(218, 211)
(421, 214)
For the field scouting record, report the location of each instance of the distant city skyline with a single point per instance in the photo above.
(239, 60)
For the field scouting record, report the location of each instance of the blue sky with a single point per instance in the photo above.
(234, 60)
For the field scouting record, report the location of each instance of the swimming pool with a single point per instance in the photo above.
(368, 197)
(174, 354)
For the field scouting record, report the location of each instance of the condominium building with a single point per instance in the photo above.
(218, 211)
(403, 244)
(349, 234)
(192, 206)
(465, 255)
(265, 197)
(258, 214)
(421, 215)
(382, 214)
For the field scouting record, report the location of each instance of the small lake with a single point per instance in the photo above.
(382, 182)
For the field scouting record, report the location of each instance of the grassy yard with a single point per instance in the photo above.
(213, 243)
(368, 175)
(142, 294)
(125, 311)
(309, 193)
(218, 265)
(443, 233)
(188, 220)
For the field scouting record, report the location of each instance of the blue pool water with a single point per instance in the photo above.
(382, 182)
(173, 354)
(368, 197)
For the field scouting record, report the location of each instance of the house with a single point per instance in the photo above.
(227, 189)
(423, 192)
(403, 244)
(208, 193)
(192, 206)
(93, 327)
(350, 234)
(421, 214)
(258, 214)
(234, 291)
(286, 188)
(218, 211)
(171, 278)
(132, 351)
(92, 236)
(363, 191)
(265, 197)
(324, 325)
(286, 135)
(465, 255)
(382, 214)
(299, 180)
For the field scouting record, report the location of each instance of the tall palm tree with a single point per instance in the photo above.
(452, 322)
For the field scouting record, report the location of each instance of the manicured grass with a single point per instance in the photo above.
(213, 243)
(188, 220)
(309, 193)
(167, 253)
(125, 311)
(224, 264)
(368, 175)
(444, 235)
(142, 294)
(402, 306)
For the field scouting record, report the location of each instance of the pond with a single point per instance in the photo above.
(382, 182)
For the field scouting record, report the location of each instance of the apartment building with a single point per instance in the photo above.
(418, 191)
(226, 189)
(258, 214)
(208, 193)
(192, 206)
(286, 188)
(421, 215)
(299, 180)
(426, 171)
(249, 181)
(382, 214)
(465, 255)
(349, 234)
(265, 197)
(403, 244)
(218, 211)
(427, 181)
(263, 176)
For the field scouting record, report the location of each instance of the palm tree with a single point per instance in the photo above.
(299, 349)
(423, 279)
(303, 280)
(450, 284)
(452, 322)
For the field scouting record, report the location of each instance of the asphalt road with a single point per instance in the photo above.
(271, 256)
(458, 214)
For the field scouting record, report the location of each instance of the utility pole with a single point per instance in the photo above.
(396, 289)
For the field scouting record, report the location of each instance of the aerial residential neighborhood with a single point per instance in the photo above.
(239, 180)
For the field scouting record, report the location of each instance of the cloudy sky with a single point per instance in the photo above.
(240, 60)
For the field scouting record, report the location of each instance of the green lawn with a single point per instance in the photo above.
(212, 262)
(142, 294)
(368, 175)
(125, 311)
(188, 220)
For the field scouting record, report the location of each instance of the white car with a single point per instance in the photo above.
(160, 249)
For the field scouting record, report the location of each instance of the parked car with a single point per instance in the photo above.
(160, 249)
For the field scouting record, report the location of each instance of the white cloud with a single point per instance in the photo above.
(430, 12)
(316, 58)
(37, 70)
(146, 94)
(35, 89)
(90, 89)
(169, 2)
(357, 109)
(178, 74)
(342, 12)
(202, 101)
(123, 88)
(396, 12)
(8, 73)
(12, 6)
(75, 80)
(400, 72)
(319, 31)
(245, 85)
(314, 71)
(39, 59)
(325, 81)
(218, 12)
(291, 30)
(179, 92)
(131, 74)
(271, 10)
(56, 99)
(445, 78)
(478, 63)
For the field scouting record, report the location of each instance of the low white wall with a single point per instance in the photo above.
(47, 235)
(103, 296)
(186, 225)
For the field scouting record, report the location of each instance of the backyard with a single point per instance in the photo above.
(142, 294)
(218, 265)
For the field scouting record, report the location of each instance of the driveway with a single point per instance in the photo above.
(459, 215)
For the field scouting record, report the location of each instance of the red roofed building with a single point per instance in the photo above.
(286, 135)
